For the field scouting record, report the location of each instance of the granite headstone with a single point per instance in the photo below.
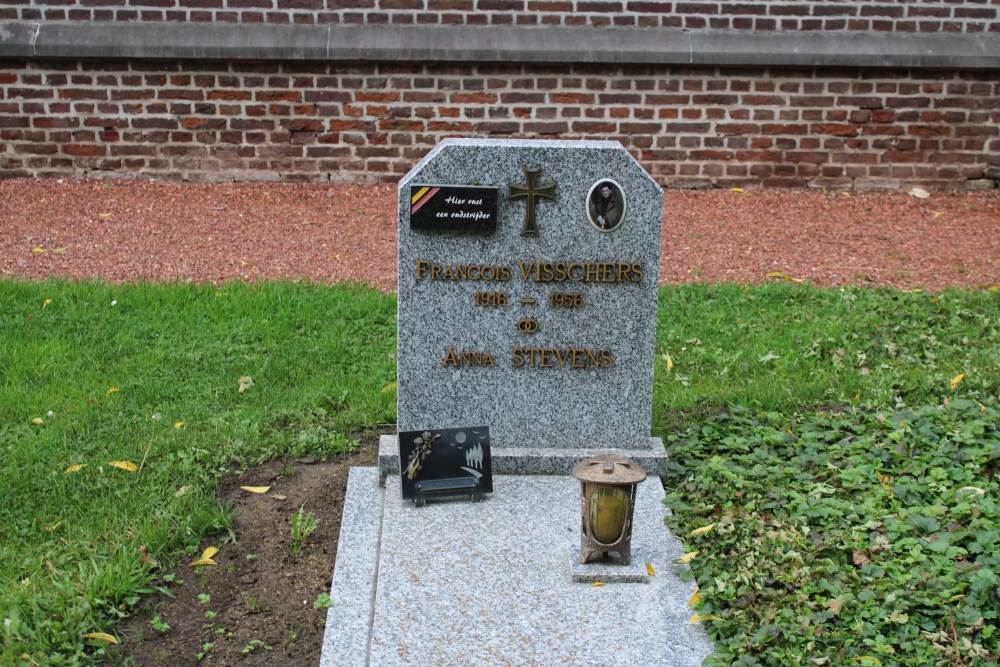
(528, 275)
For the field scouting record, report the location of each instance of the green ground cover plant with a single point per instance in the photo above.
(121, 407)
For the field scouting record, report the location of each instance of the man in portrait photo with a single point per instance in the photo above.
(606, 206)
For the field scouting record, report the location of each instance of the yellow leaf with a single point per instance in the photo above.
(736, 189)
(46, 304)
(856, 396)
(597, 583)
(178, 424)
(784, 276)
(701, 531)
(37, 421)
(955, 380)
(687, 558)
(75, 467)
(670, 362)
(53, 526)
(113, 390)
(389, 387)
(834, 606)
(256, 489)
(845, 194)
(937, 214)
(103, 636)
(202, 561)
(649, 570)
(183, 491)
(123, 465)
(701, 618)
(245, 383)
(694, 597)
(868, 660)
(208, 553)
(38, 250)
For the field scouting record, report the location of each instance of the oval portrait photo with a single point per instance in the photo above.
(606, 205)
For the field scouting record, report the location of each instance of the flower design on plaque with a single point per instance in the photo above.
(606, 205)
(442, 463)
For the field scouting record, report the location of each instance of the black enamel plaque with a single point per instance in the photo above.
(454, 208)
(445, 462)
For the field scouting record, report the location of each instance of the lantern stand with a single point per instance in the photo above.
(607, 486)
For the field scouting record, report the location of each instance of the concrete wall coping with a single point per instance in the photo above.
(180, 41)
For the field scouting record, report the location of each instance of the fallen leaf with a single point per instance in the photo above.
(973, 489)
(834, 606)
(113, 390)
(784, 276)
(123, 465)
(670, 362)
(736, 189)
(37, 421)
(54, 526)
(208, 553)
(845, 194)
(701, 618)
(701, 531)
(955, 380)
(868, 660)
(256, 489)
(245, 383)
(104, 215)
(649, 570)
(74, 468)
(278, 496)
(103, 636)
(860, 558)
(597, 583)
(183, 491)
(38, 250)
(389, 387)
(937, 214)
(202, 561)
(687, 558)
(178, 424)
(919, 193)
(46, 304)
(694, 597)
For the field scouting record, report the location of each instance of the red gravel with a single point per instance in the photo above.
(132, 230)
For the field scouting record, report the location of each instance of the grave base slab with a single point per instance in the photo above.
(487, 583)
(537, 460)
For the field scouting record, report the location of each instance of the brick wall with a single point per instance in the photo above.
(949, 16)
(688, 126)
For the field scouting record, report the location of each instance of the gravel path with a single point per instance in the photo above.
(133, 230)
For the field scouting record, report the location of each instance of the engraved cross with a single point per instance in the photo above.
(530, 192)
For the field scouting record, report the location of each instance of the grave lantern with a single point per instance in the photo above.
(608, 483)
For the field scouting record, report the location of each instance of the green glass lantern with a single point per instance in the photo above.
(608, 484)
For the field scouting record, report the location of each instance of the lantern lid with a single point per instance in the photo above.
(609, 469)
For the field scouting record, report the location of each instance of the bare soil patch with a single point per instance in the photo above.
(259, 608)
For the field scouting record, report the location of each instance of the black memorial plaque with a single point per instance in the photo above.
(445, 462)
(454, 208)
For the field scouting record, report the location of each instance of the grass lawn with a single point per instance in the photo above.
(834, 452)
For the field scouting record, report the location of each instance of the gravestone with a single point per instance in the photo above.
(528, 276)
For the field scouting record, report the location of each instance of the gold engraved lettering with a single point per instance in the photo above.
(528, 326)
(467, 358)
(552, 357)
(435, 272)
(637, 270)
(422, 266)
